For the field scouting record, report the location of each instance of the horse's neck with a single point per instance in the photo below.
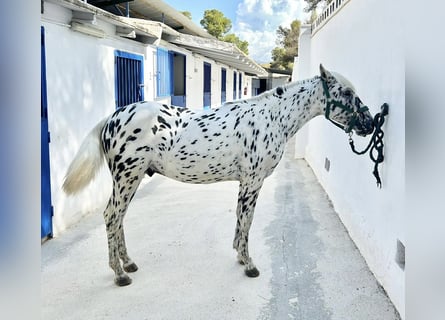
(300, 103)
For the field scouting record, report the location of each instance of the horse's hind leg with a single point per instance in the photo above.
(128, 264)
(112, 224)
(123, 191)
(247, 198)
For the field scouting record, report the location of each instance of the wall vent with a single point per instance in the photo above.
(327, 164)
(400, 255)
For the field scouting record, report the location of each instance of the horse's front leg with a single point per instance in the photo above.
(247, 198)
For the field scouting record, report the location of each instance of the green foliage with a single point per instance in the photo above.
(312, 4)
(219, 25)
(312, 18)
(242, 45)
(216, 23)
(187, 14)
(283, 56)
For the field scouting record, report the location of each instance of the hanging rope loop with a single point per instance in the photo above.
(375, 145)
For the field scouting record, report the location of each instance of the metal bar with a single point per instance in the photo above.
(103, 4)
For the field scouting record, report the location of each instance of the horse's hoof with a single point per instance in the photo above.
(132, 267)
(252, 273)
(122, 281)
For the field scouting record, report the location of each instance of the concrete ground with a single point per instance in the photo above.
(180, 236)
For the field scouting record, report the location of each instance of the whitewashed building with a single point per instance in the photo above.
(94, 61)
(363, 41)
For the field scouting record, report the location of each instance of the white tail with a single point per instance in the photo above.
(86, 163)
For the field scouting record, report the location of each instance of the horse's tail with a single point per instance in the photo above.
(86, 163)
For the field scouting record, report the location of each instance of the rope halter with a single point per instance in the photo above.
(330, 102)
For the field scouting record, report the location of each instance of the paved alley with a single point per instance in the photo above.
(180, 236)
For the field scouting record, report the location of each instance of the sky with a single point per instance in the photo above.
(254, 21)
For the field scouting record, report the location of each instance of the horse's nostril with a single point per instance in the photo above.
(370, 129)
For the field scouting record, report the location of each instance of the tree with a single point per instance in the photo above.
(187, 14)
(312, 4)
(312, 18)
(216, 23)
(283, 56)
(242, 45)
(219, 25)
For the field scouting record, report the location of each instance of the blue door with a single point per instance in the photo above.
(240, 85)
(223, 84)
(46, 209)
(234, 85)
(164, 73)
(178, 65)
(207, 85)
(129, 78)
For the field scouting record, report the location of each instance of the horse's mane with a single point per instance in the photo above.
(287, 86)
(271, 91)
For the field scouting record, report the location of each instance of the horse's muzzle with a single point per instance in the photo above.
(365, 125)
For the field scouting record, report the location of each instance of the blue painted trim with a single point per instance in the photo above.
(46, 208)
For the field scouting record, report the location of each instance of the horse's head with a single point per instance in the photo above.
(343, 107)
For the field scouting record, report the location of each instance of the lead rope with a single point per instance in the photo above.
(375, 144)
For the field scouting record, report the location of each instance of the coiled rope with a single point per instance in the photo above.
(375, 145)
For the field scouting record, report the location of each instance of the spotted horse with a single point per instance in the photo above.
(239, 141)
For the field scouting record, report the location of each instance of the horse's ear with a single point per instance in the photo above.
(324, 73)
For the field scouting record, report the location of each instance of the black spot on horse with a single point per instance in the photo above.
(236, 123)
(111, 128)
(106, 144)
(132, 108)
(165, 123)
(166, 112)
(130, 161)
(280, 91)
(129, 118)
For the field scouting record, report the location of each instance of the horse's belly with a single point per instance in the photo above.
(202, 169)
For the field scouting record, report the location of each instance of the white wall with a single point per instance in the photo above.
(81, 91)
(80, 82)
(363, 41)
(195, 80)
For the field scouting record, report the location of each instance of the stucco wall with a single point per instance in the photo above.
(81, 91)
(363, 41)
(80, 82)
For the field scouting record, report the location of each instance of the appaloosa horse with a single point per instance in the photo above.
(241, 140)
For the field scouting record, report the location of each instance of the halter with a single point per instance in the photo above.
(376, 141)
(335, 103)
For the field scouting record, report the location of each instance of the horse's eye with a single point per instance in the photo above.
(347, 93)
